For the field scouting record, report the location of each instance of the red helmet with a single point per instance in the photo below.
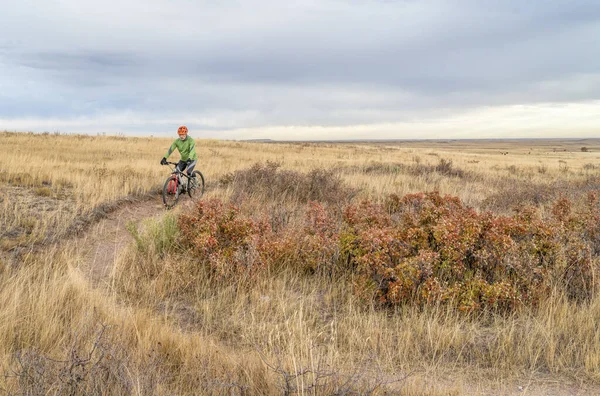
(182, 130)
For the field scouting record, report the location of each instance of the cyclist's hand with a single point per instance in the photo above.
(163, 161)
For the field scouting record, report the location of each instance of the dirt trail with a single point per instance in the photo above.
(102, 241)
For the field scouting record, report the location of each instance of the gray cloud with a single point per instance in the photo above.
(235, 64)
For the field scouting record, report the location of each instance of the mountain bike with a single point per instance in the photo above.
(180, 183)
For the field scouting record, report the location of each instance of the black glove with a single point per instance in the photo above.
(163, 161)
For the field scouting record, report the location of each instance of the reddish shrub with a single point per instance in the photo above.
(234, 245)
(219, 237)
(425, 248)
(318, 248)
(421, 248)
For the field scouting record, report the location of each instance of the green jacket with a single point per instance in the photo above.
(187, 149)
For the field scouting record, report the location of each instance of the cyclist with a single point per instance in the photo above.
(187, 148)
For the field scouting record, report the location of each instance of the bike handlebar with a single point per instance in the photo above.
(176, 169)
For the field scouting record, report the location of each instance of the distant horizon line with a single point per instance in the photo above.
(266, 140)
(271, 140)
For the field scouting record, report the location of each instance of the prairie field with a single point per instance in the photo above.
(411, 268)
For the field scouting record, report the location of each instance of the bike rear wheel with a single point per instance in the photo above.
(170, 194)
(196, 185)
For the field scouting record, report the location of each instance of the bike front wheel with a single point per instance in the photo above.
(170, 194)
(196, 185)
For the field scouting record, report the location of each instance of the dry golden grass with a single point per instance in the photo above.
(97, 169)
(49, 310)
(230, 339)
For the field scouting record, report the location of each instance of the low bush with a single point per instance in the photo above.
(43, 191)
(443, 167)
(222, 239)
(238, 247)
(423, 249)
(101, 368)
(158, 237)
(268, 181)
(516, 193)
(429, 249)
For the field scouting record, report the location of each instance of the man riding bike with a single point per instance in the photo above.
(187, 148)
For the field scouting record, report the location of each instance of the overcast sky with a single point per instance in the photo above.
(302, 70)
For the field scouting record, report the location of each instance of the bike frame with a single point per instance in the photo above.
(175, 171)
